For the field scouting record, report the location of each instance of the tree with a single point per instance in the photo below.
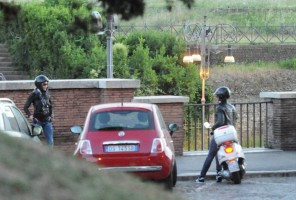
(128, 9)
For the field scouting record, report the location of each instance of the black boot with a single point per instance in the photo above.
(219, 177)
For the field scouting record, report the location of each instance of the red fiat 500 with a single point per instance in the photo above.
(130, 137)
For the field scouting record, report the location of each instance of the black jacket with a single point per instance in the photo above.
(42, 105)
(225, 115)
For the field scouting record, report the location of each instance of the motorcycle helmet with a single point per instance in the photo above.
(36, 130)
(222, 93)
(39, 80)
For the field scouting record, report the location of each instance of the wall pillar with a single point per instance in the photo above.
(281, 120)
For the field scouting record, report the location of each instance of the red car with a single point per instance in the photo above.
(130, 137)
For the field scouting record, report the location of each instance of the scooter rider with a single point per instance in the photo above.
(225, 115)
(42, 107)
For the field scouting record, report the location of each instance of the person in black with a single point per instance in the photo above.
(42, 107)
(225, 115)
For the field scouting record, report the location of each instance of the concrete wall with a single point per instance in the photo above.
(281, 120)
(73, 98)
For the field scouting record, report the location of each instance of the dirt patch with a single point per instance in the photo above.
(246, 85)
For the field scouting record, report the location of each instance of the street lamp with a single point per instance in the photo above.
(109, 31)
(201, 34)
(109, 34)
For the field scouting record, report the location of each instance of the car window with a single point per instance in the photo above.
(122, 120)
(11, 119)
(6, 124)
(21, 120)
(161, 120)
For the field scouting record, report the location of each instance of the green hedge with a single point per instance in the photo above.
(55, 38)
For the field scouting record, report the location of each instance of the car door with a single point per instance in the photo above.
(14, 122)
(22, 122)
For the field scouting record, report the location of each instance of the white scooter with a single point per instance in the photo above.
(230, 154)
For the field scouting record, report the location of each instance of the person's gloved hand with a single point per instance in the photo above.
(211, 133)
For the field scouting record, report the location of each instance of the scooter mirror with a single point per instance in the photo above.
(207, 125)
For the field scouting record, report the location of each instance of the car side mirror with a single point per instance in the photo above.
(36, 130)
(173, 127)
(76, 130)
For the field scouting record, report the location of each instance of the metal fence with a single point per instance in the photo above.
(244, 35)
(251, 125)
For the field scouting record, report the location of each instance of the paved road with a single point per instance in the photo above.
(267, 188)
(259, 162)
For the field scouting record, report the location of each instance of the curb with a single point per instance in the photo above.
(249, 174)
(245, 150)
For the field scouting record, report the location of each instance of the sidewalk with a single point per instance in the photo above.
(259, 162)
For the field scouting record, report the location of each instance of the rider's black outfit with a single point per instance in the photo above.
(42, 105)
(225, 115)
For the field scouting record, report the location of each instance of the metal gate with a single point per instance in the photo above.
(251, 125)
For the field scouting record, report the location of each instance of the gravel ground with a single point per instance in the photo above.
(246, 85)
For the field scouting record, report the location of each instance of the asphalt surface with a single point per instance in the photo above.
(260, 162)
(256, 188)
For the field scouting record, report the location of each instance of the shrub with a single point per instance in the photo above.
(44, 32)
(289, 63)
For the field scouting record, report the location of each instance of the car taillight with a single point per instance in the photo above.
(84, 147)
(157, 146)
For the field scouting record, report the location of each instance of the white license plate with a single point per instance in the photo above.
(233, 166)
(121, 148)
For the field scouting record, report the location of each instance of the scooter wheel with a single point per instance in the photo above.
(236, 177)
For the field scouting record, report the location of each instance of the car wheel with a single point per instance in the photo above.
(169, 181)
(174, 174)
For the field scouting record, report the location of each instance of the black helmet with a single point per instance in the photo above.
(39, 80)
(222, 93)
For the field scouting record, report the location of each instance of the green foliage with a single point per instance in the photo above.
(155, 40)
(54, 37)
(44, 33)
(120, 61)
(160, 54)
(141, 68)
(289, 63)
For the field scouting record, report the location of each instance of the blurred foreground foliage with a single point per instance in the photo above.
(50, 174)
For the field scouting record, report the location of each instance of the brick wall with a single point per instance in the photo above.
(281, 120)
(73, 98)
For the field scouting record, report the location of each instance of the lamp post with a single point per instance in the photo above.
(109, 34)
(201, 34)
(109, 31)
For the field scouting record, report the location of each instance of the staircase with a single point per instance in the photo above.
(7, 71)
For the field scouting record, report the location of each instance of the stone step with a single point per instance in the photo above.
(7, 68)
(4, 53)
(13, 73)
(5, 58)
(17, 77)
(5, 64)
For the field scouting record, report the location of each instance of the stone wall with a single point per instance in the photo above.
(254, 53)
(281, 120)
(73, 98)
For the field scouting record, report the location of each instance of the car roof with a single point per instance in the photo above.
(146, 106)
(7, 101)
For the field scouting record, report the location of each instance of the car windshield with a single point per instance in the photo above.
(122, 120)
